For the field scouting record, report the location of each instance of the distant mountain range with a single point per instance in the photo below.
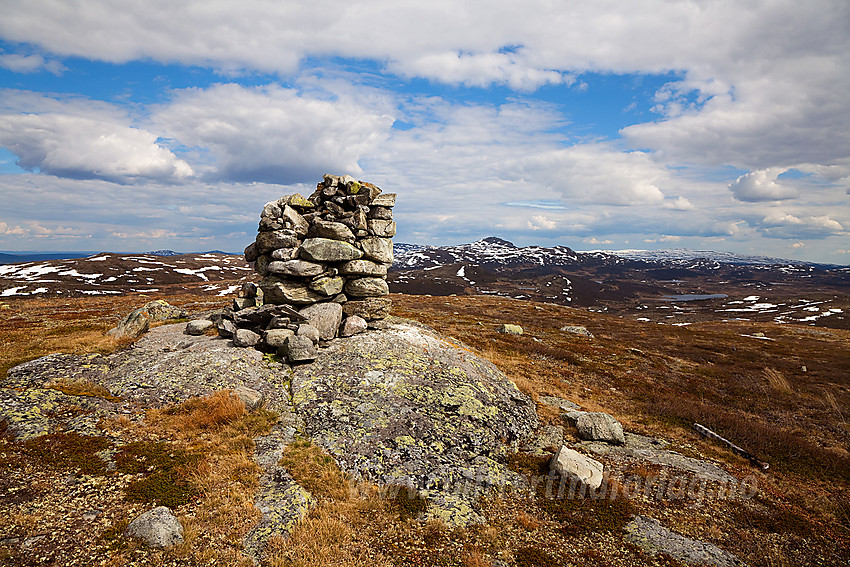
(677, 287)
(670, 286)
(16, 257)
(494, 249)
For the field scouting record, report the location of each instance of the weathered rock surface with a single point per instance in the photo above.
(370, 308)
(138, 321)
(280, 499)
(245, 338)
(353, 325)
(157, 528)
(363, 268)
(252, 399)
(327, 285)
(599, 426)
(367, 287)
(291, 292)
(326, 317)
(572, 464)
(577, 330)
(378, 249)
(653, 538)
(327, 250)
(299, 349)
(298, 268)
(407, 406)
(164, 366)
(198, 326)
(655, 451)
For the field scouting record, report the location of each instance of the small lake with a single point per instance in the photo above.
(695, 297)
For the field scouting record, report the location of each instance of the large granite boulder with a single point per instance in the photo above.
(406, 406)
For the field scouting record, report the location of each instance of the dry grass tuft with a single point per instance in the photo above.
(82, 387)
(207, 412)
(527, 521)
(475, 559)
(315, 470)
(778, 381)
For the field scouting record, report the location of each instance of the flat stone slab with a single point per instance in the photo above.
(654, 451)
(164, 366)
(653, 538)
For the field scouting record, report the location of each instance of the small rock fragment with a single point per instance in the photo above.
(353, 325)
(510, 329)
(157, 528)
(573, 464)
(250, 397)
(309, 331)
(298, 349)
(600, 426)
(198, 326)
(245, 338)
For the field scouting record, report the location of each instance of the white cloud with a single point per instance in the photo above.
(91, 213)
(762, 186)
(540, 222)
(7, 229)
(663, 238)
(29, 63)
(594, 173)
(273, 134)
(678, 204)
(778, 224)
(83, 140)
(481, 70)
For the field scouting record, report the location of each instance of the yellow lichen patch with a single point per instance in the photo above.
(82, 387)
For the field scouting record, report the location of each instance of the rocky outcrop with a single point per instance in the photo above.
(654, 538)
(402, 406)
(408, 407)
(655, 451)
(164, 366)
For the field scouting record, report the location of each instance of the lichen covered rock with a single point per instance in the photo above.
(408, 407)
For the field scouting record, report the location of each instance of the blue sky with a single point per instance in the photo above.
(591, 124)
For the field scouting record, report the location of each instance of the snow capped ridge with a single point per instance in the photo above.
(683, 255)
(491, 251)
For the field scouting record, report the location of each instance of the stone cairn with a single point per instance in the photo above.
(323, 261)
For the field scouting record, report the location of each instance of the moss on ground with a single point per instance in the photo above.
(166, 468)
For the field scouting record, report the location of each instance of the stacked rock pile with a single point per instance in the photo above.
(323, 261)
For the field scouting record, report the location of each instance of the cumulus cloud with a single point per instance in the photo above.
(7, 229)
(481, 70)
(93, 213)
(778, 224)
(540, 222)
(83, 141)
(273, 134)
(762, 186)
(19, 63)
(678, 204)
(595, 173)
